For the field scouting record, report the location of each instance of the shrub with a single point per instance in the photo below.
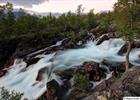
(7, 95)
(81, 81)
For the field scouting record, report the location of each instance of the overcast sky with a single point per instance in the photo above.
(62, 5)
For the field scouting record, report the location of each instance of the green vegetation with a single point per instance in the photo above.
(127, 19)
(81, 81)
(6, 95)
(68, 24)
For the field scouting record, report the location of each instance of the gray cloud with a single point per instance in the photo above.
(25, 3)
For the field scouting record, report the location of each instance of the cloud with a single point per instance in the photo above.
(25, 3)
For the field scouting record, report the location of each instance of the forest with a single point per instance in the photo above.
(115, 42)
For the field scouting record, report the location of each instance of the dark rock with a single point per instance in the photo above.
(2, 72)
(41, 74)
(136, 44)
(66, 74)
(9, 62)
(32, 61)
(121, 67)
(123, 49)
(94, 71)
(7, 48)
(55, 91)
(102, 39)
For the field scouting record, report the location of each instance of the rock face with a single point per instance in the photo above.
(7, 48)
(94, 71)
(127, 85)
(123, 49)
(106, 36)
(103, 38)
(55, 91)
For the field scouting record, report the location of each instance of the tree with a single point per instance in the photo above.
(91, 19)
(7, 20)
(127, 18)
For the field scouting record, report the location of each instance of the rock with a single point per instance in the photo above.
(94, 71)
(77, 94)
(41, 74)
(9, 62)
(2, 72)
(123, 49)
(136, 44)
(128, 85)
(102, 98)
(32, 61)
(66, 74)
(55, 91)
(7, 48)
(101, 87)
(121, 67)
(102, 39)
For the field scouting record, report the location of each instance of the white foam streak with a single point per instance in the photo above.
(22, 79)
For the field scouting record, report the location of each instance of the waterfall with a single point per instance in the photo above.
(23, 79)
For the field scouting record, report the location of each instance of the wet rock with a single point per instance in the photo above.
(102, 39)
(123, 49)
(41, 74)
(67, 74)
(136, 44)
(55, 91)
(32, 61)
(2, 72)
(94, 71)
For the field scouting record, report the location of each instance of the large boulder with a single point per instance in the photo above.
(54, 91)
(116, 89)
(128, 85)
(95, 72)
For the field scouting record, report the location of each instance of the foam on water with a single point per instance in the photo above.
(22, 79)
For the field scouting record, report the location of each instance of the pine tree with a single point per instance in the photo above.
(127, 18)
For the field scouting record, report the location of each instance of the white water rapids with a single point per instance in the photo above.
(22, 79)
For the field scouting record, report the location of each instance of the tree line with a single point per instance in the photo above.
(67, 24)
(124, 20)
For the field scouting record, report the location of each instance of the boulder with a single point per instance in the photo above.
(123, 49)
(102, 39)
(128, 85)
(66, 74)
(94, 71)
(54, 91)
(31, 61)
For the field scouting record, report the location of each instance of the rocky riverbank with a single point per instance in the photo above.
(91, 78)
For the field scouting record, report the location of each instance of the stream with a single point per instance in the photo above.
(23, 79)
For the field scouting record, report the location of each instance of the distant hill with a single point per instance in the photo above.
(18, 13)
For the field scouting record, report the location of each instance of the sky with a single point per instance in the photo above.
(62, 6)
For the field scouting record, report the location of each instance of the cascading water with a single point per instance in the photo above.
(23, 79)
